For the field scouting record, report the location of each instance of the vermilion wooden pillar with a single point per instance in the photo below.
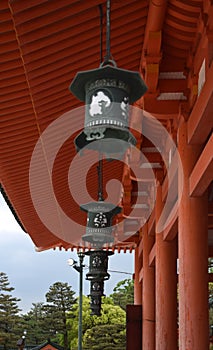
(166, 288)
(193, 258)
(137, 284)
(148, 334)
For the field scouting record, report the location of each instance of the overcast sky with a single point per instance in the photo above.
(32, 273)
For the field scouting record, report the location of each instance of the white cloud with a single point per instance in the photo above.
(8, 224)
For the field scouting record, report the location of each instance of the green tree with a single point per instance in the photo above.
(35, 324)
(123, 293)
(9, 314)
(111, 315)
(60, 300)
(87, 322)
(105, 337)
(108, 330)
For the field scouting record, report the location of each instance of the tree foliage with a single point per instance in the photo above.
(123, 293)
(109, 330)
(110, 315)
(60, 299)
(9, 314)
(105, 337)
(34, 322)
(57, 318)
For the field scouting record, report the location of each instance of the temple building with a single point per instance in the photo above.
(160, 189)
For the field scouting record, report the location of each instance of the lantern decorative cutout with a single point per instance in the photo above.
(107, 93)
(99, 222)
(97, 274)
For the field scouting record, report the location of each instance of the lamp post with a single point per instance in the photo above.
(21, 342)
(24, 339)
(79, 268)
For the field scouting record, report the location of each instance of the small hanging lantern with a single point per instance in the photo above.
(98, 264)
(100, 216)
(99, 222)
(97, 274)
(107, 93)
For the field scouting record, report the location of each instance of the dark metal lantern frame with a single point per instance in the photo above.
(99, 222)
(107, 93)
(98, 265)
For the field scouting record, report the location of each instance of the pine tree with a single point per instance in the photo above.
(9, 318)
(106, 337)
(123, 293)
(34, 323)
(60, 299)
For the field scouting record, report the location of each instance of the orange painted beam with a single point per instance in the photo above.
(152, 256)
(172, 185)
(145, 176)
(149, 226)
(151, 54)
(172, 229)
(151, 223)
(153, 157)
(172, 85)
(140, 248)
(201, 175)
(200, 121)
(155, 19)
(151, 76)
(154, 106)
(141, 275)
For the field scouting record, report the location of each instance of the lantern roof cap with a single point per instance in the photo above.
(101, 206)
(102, 252)
(133, 79)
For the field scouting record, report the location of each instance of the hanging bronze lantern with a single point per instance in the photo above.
(98, 265)
(95, 305)
(97, 287)
(107, 93)
(96, 292)
(99, 222)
